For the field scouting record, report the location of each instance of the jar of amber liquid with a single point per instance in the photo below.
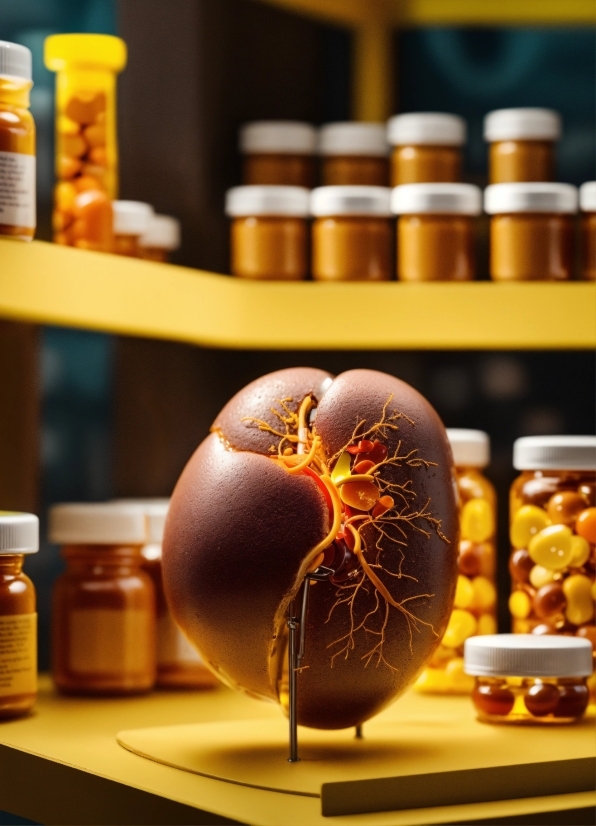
(427, 147)
(527, 679)
(587, 205)
(522, 144)
(17, 144)
(531, 231)
(160, 239)
(278, 152)
(435, 231)
(354, 153)
(131, 220)
(269, 232)
(352, 234)
(103, 611)
(19, 536)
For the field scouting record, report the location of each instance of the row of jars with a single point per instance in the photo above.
(352, 234)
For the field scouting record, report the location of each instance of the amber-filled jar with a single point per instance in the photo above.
(17, 144)
(587, 204)
(161, 238)
(103, 611)
(19, 536)
(427, 147)
(521, 678)
(269, 232)
(436, 231)
(131, 220)
(278, 152)
(531, 231)
(352, 234)
(354, 154)
(522, 144)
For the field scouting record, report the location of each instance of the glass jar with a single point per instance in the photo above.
(269, 232)
(19, 535)
(587, 204)
(354, 154)
(278, 152)
(17, 144)
(531, 231)
(522, 144)
(436, 231)
(427, 147)
(352, 234)
(131, 220)
(103, 612)
(161, 237)
(527, 679)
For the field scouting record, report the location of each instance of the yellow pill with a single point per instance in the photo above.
(539, 576)
(433, 681)
(594, 590)
(485, 594)
(457, 678)
(527, 522)
(464, 592)
(580, 551)
(486, 624)
(552, 547)
(580, 604)
(477, 522)
(461, 626)
(520, 604)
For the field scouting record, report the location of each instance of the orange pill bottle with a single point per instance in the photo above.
(103, 611)
(587, 205)
(19, 536)
(161, 238)
(427, 147)
(354, 153)
(130, 221)
(17, 144)
(278, 153)
(522, 144)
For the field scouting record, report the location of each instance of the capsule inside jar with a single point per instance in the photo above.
(354, 154)
(278, 153)
(522, 144)
(427, 147)
(587, 203)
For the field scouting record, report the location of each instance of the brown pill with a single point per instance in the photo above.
(587, 632)
(588, 491)
(520, 565)
(563, 508)
(491, 699)
(469, 559)
(73, 145)
(573, 701)
(67, 167)
(84, 108)
(542, 699)
(549, 600)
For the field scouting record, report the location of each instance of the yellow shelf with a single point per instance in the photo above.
(49, 284)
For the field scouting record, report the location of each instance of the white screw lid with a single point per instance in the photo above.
(530, 197)
(244, 201)
(555, 453)
(131, 217)
(15, 60)
(587, 196)
(431, 128)
(155, 511)
(527, 655)
(327, 201)
(522, 124)
(438, 199)
(19, 533)
(163, 232)
(97, 524)
(286, 137)
(352, 138)
(470, 448)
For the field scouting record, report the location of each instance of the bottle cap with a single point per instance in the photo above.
(350, 200)
(15, 60)
(587, 196)
(286, 137)
(522, 125)
(131, 217)
(94, 50)
(155, 511)
(352, 138)
(437, 199)
(527, 655)
(163, 232)
(431, 128)
(244, 201)
(97, 524)
(470, 448)
(530, 197)
(555, 453)
(19, 533)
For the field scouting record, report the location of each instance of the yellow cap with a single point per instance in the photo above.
(103, 50)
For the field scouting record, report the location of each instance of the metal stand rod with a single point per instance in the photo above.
(359, 735)
(292, 663)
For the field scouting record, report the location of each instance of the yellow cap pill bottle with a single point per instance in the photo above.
(103, 609)
(531, 231)
(19, 536)
(269, 232)
(427, 147)
(436, 231)
(130, 221)
(521, 678)
(352, 233)
(161, 238)
(17, 144)
(354, 154)
(587, 205)
(278, 153)
(522, 144)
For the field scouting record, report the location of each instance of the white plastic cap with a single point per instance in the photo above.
(438, 199)
(97, 524)
(352, 138)
(555, 453)
(522, 125)
(131, 217)
(243, 201)
(587, 196)
(530, 197)
(286, 137)
(163, 232)
(19, 533)
(527, 655)
(431, 128)
(154, 510)
(350, 200)
(470, 448)
(15, 60)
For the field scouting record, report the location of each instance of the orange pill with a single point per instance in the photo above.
(64, 196)
(94, 220)
(95, 135)
(564, 507)
(98, 155)
(359, 494)
(61, 220)
(63, 238)
(67, 167)
(85, 183)
(84, 108)
(586, 525)
(73, 145)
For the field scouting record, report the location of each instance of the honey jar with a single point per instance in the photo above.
(19, 536)
(161, 237)
(531, 231)
(354, 153)
(435, 231)
(427, 147)
(521, 678)
(587, 204)
(278, 152)
(131, 220)
(352, 234)
(522, 144)
(103, 610)
(269, 233)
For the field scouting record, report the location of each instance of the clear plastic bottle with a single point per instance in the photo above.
(522, 144)
(427, 147)
(354, 154)
(587, 204)
(131, 220)
(161, 237)
(278, 153)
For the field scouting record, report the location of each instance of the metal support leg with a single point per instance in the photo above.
(359, 735)
(292, 673)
